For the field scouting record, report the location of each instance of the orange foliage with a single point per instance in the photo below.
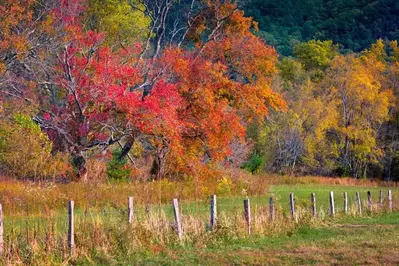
(225, 83)
(196, 101)
(12, 15)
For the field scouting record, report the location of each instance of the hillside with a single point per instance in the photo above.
(354, 24)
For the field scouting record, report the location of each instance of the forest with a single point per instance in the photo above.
(353, 24)
(152, 89)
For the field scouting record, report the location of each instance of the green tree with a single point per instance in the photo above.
(117, 168)
(354, 24)
(316, 54)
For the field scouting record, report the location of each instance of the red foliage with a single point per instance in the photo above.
(225, 84)
(197, 101)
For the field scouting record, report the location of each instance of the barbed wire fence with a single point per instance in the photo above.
(250, 208)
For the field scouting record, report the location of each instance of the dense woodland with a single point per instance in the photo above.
(353, 24)
(141, 89)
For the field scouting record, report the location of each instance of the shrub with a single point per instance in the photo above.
(224, 186)
(255, 163)
(25, 151)
(117, 168)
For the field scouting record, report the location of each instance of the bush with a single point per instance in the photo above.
(224, 186)
(25, 151)
(117, 168)
(255, 163)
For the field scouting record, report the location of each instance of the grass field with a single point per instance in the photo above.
(355, 241)
(228, 204)
(280, 194)
(103, 236)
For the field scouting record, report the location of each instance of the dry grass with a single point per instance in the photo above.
(45, 243)
(32, 198)
(26, 197)
(107, 239)
(324, 180)
(37, 234)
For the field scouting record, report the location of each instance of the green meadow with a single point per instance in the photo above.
(104, 237)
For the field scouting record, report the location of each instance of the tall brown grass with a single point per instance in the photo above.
(34, 198)
(325, 180)
(110, 239)
(22, 198)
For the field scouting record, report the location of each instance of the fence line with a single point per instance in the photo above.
(247, 213)
(213, 213)
(177, 218)
(332, 205)
(359, 204)
(292, 206)
(271, 209)
(313, 202)
(130, 210)
(71, 230)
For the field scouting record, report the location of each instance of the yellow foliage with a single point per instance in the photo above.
(363, 103)
(2, 68)
(119, 20)
(137, 149)
(25, 151)
(395, 51)
(224, 186)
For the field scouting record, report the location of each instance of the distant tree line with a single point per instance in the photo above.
(342, 116)
(353, 24)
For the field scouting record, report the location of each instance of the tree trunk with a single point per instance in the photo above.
(126, 148)
(345, 162)
(158, 168)
(79, 162)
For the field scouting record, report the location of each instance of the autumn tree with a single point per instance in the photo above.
(389, 133)
(18, 43)
(88, 96)
(296, 140)
(363, 104)
(334, 121)
(61, 78)
(225, 82)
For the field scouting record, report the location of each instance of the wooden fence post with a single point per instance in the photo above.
(177, 218)
(271, 209)
(332, 204)
(247, 214)
(381, 200)
(369, 201)
(213, 211)
(313, 201)
(71, 229)
(1, 231)
(130, 210)
(345, 203)
(359, 204)
(292, 206)
(390, 200)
